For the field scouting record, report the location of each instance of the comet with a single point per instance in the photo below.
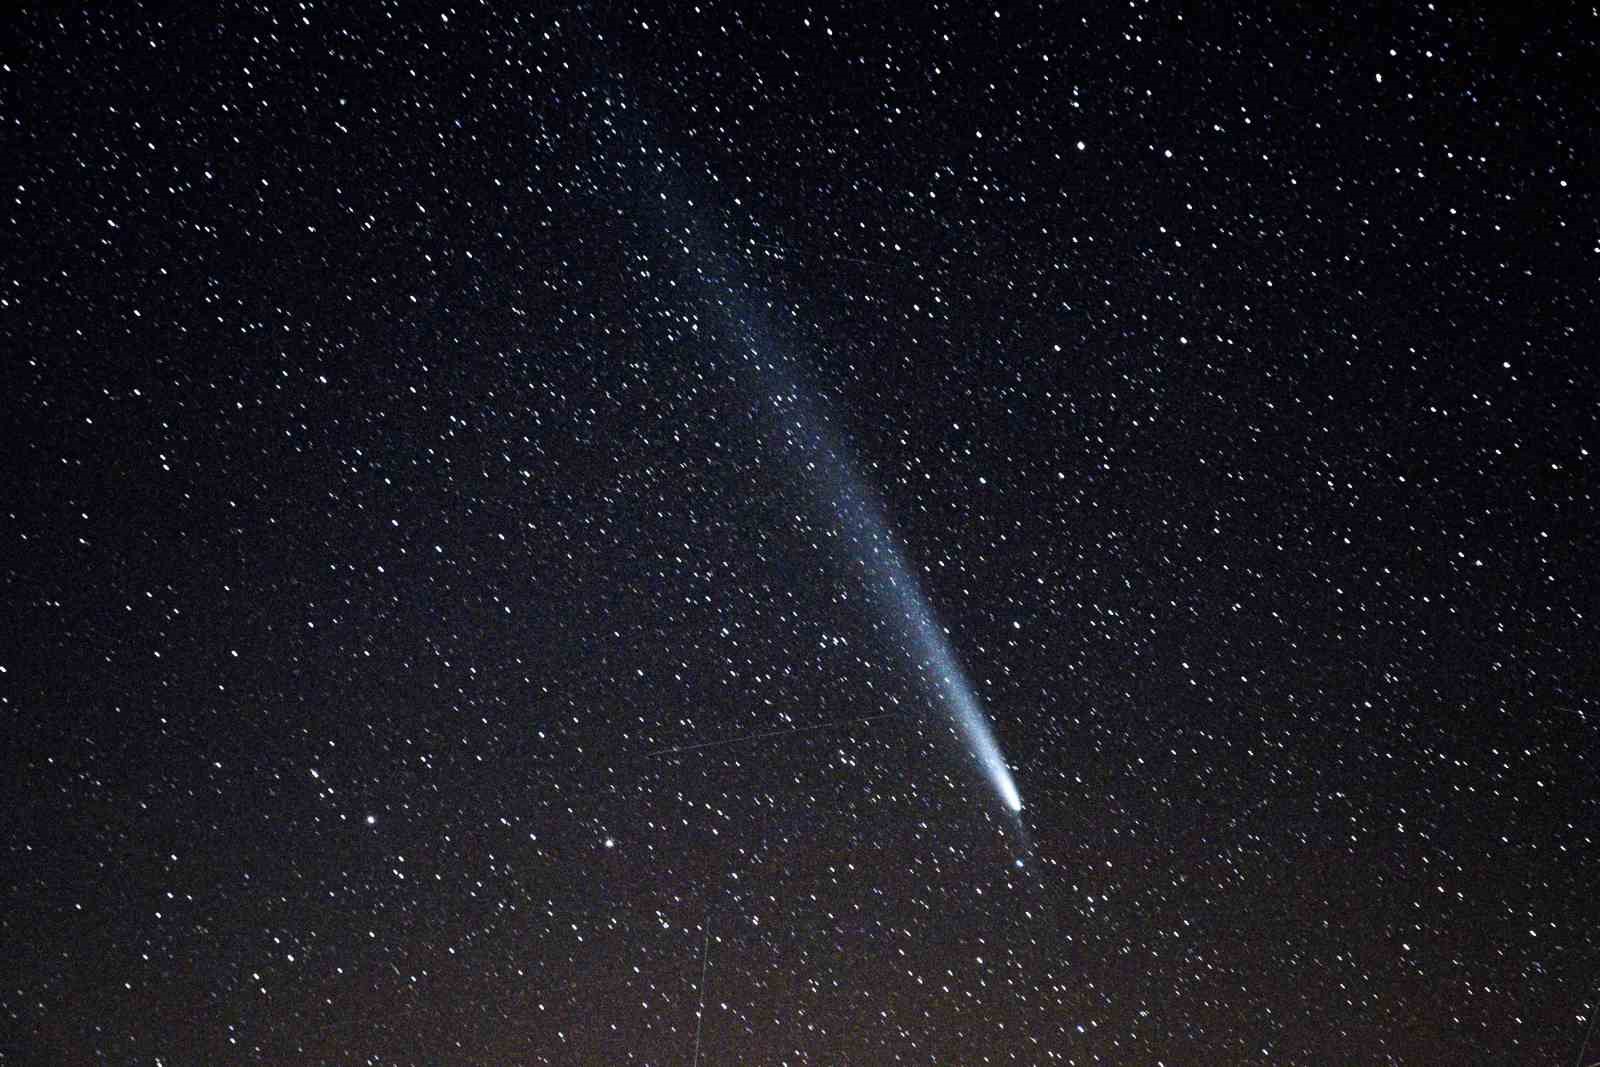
(799, 431)
(901, 599)
(897, 595)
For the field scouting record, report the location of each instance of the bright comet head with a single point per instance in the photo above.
(980, 741)
(969, 718)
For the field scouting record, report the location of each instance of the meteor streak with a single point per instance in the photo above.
(764, 734)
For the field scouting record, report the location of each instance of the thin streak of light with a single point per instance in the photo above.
(705, 966)
(771, 733)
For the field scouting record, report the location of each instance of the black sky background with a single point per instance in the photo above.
(398, 500)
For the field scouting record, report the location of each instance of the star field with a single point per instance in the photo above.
(447, 452)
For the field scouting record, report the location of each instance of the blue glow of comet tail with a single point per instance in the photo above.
(899, 596)
(889, 580)
(905, 598)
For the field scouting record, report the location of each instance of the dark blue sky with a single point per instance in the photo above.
(401, 525)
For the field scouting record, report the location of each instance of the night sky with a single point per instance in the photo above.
(505, 514)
